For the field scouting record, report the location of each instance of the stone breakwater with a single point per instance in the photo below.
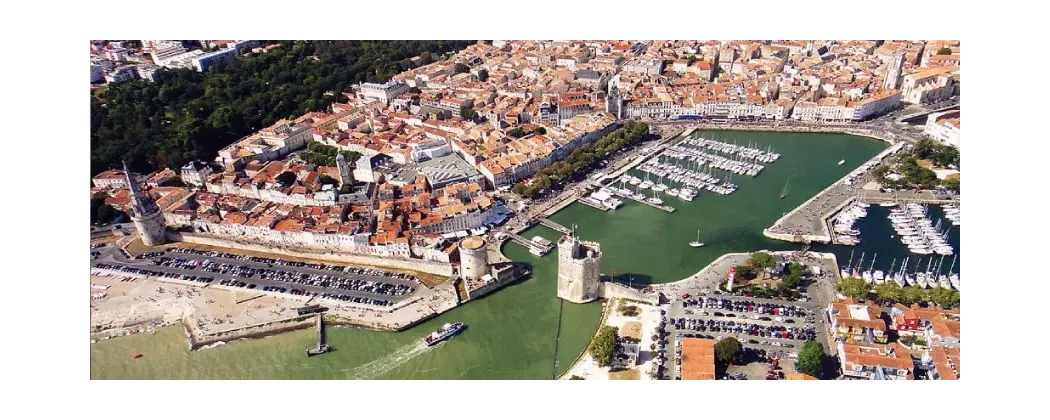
(809, 221)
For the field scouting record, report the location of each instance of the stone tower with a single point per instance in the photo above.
(345, 172)
(145, 214)
(579, 269)
(893, 72)
(473, 258)
(614, 102)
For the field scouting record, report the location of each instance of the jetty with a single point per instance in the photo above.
(533, 246)
(555, 226)
(322, 345)
(668, 209)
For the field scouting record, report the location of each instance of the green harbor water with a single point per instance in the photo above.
(516, 332)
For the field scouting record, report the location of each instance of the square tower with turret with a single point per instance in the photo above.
(579, 269)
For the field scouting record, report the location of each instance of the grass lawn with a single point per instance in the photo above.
(626, 375)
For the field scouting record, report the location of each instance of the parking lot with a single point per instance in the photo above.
(767, 328)
(334, 282)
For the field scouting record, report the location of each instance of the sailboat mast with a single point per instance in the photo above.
(953, 264)
(873, 262)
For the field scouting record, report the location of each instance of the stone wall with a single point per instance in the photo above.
(609, 290)
(251, 331)
(398, 263)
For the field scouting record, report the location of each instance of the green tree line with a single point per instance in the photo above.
(583, 157)
(890, 291)
(185, 115)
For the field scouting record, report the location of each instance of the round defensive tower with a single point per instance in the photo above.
(473, 258)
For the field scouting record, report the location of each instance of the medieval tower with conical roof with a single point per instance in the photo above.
(145, 214)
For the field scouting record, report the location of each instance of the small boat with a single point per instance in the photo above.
(445, 332)
(137, 356)
(841, 162)
(783, 191)
(696, 243)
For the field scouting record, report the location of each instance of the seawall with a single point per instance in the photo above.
(442, 269)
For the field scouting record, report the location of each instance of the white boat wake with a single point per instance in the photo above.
(387, 363)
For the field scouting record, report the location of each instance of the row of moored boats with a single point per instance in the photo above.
(918, 233)
(749, 152)
(845, 233)
(932, 277)
(951, 212)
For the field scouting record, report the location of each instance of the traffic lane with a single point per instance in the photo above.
(261, 283)
(293, 269)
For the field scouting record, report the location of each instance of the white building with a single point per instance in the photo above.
(943, 127)
(161, 52)
(147, 71)
(195, 173)
(121, 74)
(205, 60)
(384, 92)
(927, 86)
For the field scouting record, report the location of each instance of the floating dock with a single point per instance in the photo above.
(668, 209)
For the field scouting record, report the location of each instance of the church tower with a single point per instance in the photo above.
(345, 173)
(145, 214)
(613, 102)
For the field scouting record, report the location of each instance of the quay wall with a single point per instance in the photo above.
(607, 290)
(432, 267)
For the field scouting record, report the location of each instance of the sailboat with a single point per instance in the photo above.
(697, 243)
(783, 192)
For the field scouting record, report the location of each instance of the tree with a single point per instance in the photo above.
(811, 359)
(184, 115)
(603, 347)
(745, 271)
(324, 179)
(854, 287)
(913, 294)
(951, 182)
(468, 114)
(460, 68)
(947, 298)
(483, 75)
(106, 214)
(286, 178)
(576, 378)
(727, 350)
(519, 188)
(516, 132)
(761, 261)
(888, 291)
(944, 51)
